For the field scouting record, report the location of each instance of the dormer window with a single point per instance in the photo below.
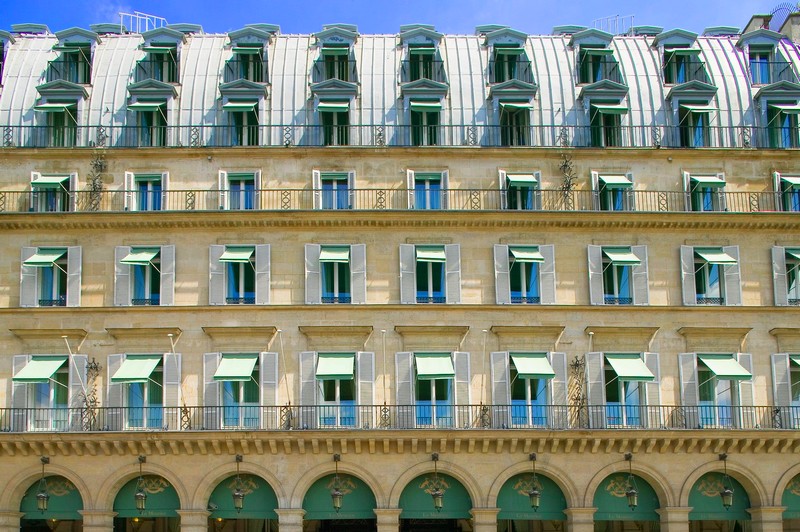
(160, 63)
(682, 65)
(421, 59)
(336, 61)
(509, 62)
(248, 63)
(760, 62)
(782, 124)
(74, 64)
(597, 64)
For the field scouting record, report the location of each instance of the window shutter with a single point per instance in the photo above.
(122, 277)
(19, 396)
(223, 187)
(408, 280)
(172, 384)
(781, 381)
(630, 195)
(316, 185)
(596, 191)
(558, 389)
(262, 274)
(689, 389)
(547, 275)
(212, 414)
(462, 381)
(746, 392)
(365, 361)
(404, 381)
(779, 283)
(32, 203)
(596, 275)
(652, 390)
(641, 289)
(313, 276)
(537, 192)
(308, 389)
(502, 281)
(73, 191)
(77, 391)
(167, 275)
(776, 186)
(410, 188)
(501, 393)
(733, 282)
(114, 393)
(127, 198)
(721, 196)
(216, 276)
(165, 206)
(445, 189)
(74, 276)
(351, 190)
(687, 275)
(687, 190)
(358, 273)
(269, 389)
(257, 189)
(595, 390)
(28, 290)
(452, 253)
(503, 188)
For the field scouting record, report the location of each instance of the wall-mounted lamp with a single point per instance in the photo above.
(534, 494)
(41, 494)
(238, 492)
(727, 485)
(631, 493)
(140, 496)
(336, 492)
(437, 493)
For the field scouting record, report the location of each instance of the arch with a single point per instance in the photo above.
(162, 498)
(65, 500)
(260, 501)
(655, 479)
(209, 483)
(416, 502)
(514, 503)
(611, 501)
(315, 473)
(560, 477)
(790, 498)
(109, 489)
(22, 481)
(706, 502)
(746, 477)
(358, 501)
(783, 482)
(458, 473)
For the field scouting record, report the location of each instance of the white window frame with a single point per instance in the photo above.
(411, 184)
(131, 191)
(408, 273)
(218, 273)
(226, 194)
(65, 197)
(314, 412)
(31, 278)
(503, 267)
(696, 414)
(730, 277)
(124, 276)
(506, 191)
(786, 275)
(650, 394)
(314, 277)
(639, 276)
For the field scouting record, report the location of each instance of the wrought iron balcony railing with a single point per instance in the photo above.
(76, 71)
(252, 68)
(766, 72)
(413, 70)
(500, 71)
(422, 415)
(683, 71)
(165, 70)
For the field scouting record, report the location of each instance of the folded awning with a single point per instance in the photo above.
(795, 359)
(597, 51)
(616, 181)
(513, 106)
(145, 106)
(434, 366)
(49, 181)
(509, 51)
(430, 254)
(630, 368)
(332, 366)
(698, 108)
(610, 108)
(335, 50)
(54, 107)
(236, 367)
(246, 50)
(44, 258)
(725, 367)
(793, 252)
(39, 369)
(426, 106)
(422, 50)
(792, 180)
(526, 254)
(136, 368)
(532, 365)
(621, 255)
(239, 106)
(140, 256)
(158, 49)
(237, 254)
(789, 108)
(683, 51)
(714, 256)
(335, 254)
(521, 180)
(333, 107)
(708, 180)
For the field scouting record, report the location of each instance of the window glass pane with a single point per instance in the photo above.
(156, 387)
(437, 269)
(608, 280)
(424, 390)
(328, 390)
(518, 392)
(706, 384)
(60, 389)
(714, 280)
(443, 389)
(251, 392)
(347, 390)
(344, 278)
(794, 376)
(623, 278)
(612, 386)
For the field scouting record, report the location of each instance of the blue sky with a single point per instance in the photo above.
(385, 16)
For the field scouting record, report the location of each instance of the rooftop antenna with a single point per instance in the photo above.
(140, 22)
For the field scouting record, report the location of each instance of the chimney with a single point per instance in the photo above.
(757, 22)
(791, 27)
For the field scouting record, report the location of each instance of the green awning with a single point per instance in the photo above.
(616, 181)
(333, 107)
(45, 258)
(39, 369)
(236, 367)
(434, 366)
(140, 256)
(423, 106)
(630, 368)
(239, 106)
(147, 177)
(335, 50)
(683, 51)
(158, 49)
(333, 366)
(521, 180)
(237, 254)
(532, 365)
(792, 180)
(698, 108)
(597, 51)
(622, 256)
(136, 368)
(725, 367)
(526, 254)
(422, 50)
(246, 50)
(514, 106)
(334, 176)
(145, 106)
(795, 359)
(335, 254)
(610, 108)
(430, 253)
(714, 256)
(49, 181)
(793, 252)
(708, 180)
(789, 108)
(509, 51)
(54, 107)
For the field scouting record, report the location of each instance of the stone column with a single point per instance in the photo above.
(290, 519)
(9, 521)
(484, 519)
(580, 519)
(194, 520)
(388, 519)
(767, 518)
(97, 520)
(674, 518)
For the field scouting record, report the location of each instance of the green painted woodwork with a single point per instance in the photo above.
(358, 501)
(514, 502)
(65, 500)
(612, 504)
(260, 500)
(416, 501)
(162, 499)
(706, 502)
(791, 499)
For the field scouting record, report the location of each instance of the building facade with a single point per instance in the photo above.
(258, 282)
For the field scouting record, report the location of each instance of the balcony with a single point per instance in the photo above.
(74, 71)
(594, 68)
(396, 199)
(421, 69)
(677, 72)
(165, 70)
(250, 68)
(501, 71)
(766, 72)
(399, 417)
(337, 67)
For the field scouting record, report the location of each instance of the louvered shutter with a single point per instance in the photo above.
(557, 416)
(733, 282)
(404, 382)
(212, 413)
(687, 276)
(410, 183)
(122, 277)
(652, 391)
(128, 202)
(358, 273)
(216, 276)
(74, 276)
(269, 389)
(257, 189)
(595, 389)
(501, 392)
(596, 292)
(641, 289)
(351, 190)
(165, 205)
(596, 191)
(502, 281)
(172, 385)
(782, 388)
(503, 188)
(28, 286)
(408, 280)
(316, 185)
(748, 420)
(223, 187)
(445, 189)
(463, 396)
(689, 389)
(547, 275)
(313, 274)
(19, 396)
(115, 419)
(167, 275)
(452, 254)
(365, 375)
(308, 389)
(779, 282)
(262, 264)
(77, 391)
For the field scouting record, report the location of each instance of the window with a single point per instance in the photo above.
(44, 388)
(787, 190)
(613, 192)
(682, 65)
(507, 62)
(239, 274)
(247, 63)
(51, 277)
(147, 388)
(431, 387)
(145, 192)
(425, 122)
(717, 390)
(421, 62)
(239, 190)
(621, 387)
(782, 125)
(151, 124)
(336, 273)
(711, 275)
(520, 191)
(53, 193)
(605, 124)
(336, 60)
(335, 119)
(597, 64)
(786, 275)
(337, 389)
(430, 274)
(333, 190)
(760, 63)
(427, 190)
(524, 274)
(705, 193)
(144, 275)
(243, 127)
(618, 275)
(515, 123)
(693, 125)
(60, 125)
(786, 389)
(160, 63)
(240, 390)
(73, 65)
